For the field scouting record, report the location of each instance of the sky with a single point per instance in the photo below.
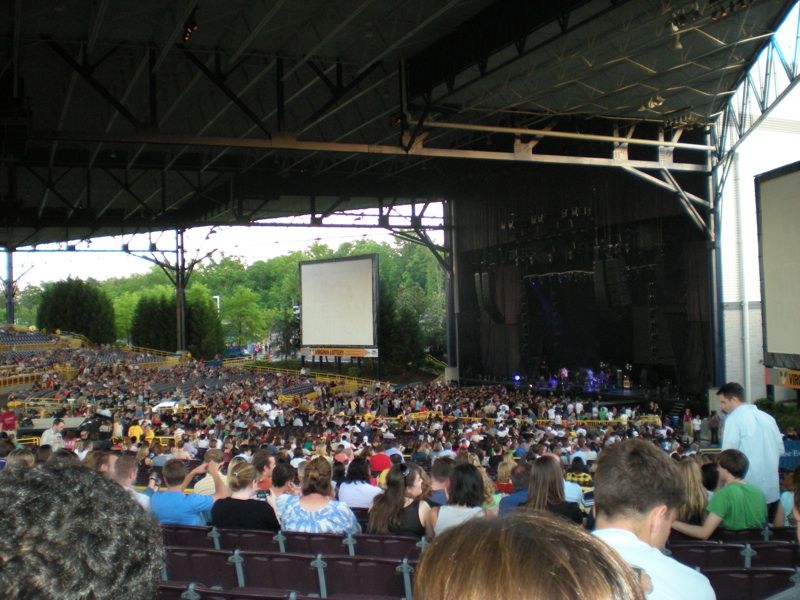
(250, 243)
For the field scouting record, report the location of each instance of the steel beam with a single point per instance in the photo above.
(218, 79)
(290, 143)
(314, 50)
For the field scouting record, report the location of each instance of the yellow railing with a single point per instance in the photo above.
(22, 379)
(29, 441)
(435, 361)
(141, 350)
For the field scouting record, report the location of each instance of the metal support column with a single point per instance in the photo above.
(451, 290)
(180, 289)
(10, 286)
(715, 276)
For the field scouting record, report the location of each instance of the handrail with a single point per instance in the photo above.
(29, 441)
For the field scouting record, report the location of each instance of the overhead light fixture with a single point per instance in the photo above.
(189, 27)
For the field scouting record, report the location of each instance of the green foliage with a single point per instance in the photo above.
(787, 414)
(257, 301)
(154, 324)
(242, 315)
(77, 306)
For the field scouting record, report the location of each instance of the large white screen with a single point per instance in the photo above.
(338, 302)
(780, 257)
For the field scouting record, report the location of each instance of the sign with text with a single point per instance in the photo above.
(352, 352)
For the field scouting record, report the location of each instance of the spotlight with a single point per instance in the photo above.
(190, 27)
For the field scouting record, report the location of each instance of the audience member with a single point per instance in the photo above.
(401, 509)
(52, 436)
(693, 509)
(466, 495)
(173, 506)
(241, 510)
(93, 541)
(738, 505)
(754, 433)
(546, 490)
(316, 511)
(125, 470)
(525, 556)
(356, 490)
(637, 492)
(520, 478)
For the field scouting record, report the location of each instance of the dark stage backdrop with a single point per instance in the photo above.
(573, 266)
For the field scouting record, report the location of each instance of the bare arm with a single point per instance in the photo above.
(430, 525)
(779, 516)
(220, 489)
(703, 531)
(198, 470)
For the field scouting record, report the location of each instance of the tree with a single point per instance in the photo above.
(204, 334)
(154, 324)
(77, 306)
(124, 309)
(244, 317)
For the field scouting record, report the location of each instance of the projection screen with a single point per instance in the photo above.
(778, 209)
(339, 302)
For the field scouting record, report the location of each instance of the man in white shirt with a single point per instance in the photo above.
(52, 437)
(637, 491)
(755, 434)
(124, 473)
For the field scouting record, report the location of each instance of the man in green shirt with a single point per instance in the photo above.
(738, 505)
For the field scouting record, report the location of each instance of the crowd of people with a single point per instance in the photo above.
(521, 472)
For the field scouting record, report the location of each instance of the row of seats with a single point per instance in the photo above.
(757, 583)
(741, 536)
(193, 591)
(365, 545)
(280, 573)
(755, 554)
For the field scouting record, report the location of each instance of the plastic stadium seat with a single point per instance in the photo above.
(187, 537)
(278, 572)
(362, 515)
(387, 546)
(786, 534)
(349, 577)
(741, 536)
(749, 584)
(257, 540)
(199, 565)
(171, 591)
(314, 543)
(775, 554)
(708, 554)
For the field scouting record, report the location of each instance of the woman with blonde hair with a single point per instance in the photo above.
(241, 510)
(693, 509)
(525, 556)
(491, 497)
(503, 482)
(316, 511)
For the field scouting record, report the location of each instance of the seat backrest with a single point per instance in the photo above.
(281, 571)
(739, 535)
(315, 543)
(775, 554)
(362, 516)
(171, 591)
(749, 584)
(201, 565)
(187, 537)
(785, 534)
(367, 576)
(387, 546)
(708, 554)
(257, 540)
